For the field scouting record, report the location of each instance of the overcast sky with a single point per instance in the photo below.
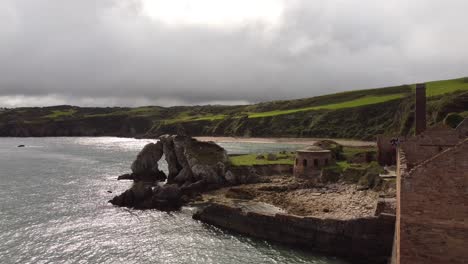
(178, 52)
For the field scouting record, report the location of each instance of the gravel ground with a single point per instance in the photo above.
(300, 197)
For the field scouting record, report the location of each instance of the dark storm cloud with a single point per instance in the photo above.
(109, 53)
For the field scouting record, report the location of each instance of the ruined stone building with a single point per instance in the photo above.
(432, 200)
(311, 160)
(432, 196)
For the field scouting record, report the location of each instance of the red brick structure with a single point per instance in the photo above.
(462, 128)
(432, 199)
(386, 151)
(429, 143)
(420, 111)
(310, 161)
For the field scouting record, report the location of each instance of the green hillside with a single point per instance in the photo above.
(357, 114)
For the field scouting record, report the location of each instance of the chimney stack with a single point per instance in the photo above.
(420, 108)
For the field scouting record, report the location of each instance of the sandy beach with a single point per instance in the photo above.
(305, 141)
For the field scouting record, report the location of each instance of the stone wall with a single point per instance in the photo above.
(309, 164)
(386, 152)
(264, 170)
(432, 208)
(362, 240)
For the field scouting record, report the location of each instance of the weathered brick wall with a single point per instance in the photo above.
(432, 201)
(428, 144)
(462, 128)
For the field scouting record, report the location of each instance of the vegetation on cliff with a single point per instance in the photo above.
(357, 114)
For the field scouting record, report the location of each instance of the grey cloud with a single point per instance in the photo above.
(107, 53)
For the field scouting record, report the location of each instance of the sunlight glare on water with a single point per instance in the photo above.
(53, 198)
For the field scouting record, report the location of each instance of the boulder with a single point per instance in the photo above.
(126, 176)
(260, 157)
(168, 192)
(185, 175)
(272, 157)
(143, 196)
(230, 178)
(193, 188)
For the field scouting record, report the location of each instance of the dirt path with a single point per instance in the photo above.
(305, 141)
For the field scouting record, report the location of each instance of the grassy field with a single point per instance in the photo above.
(359, 114)
(60, 113)
(251, 159)
(184, 117)
(437, 88)
(367, 100)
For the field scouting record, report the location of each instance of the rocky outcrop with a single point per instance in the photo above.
(194, 167)
(145, 167)
(190, 160)
(143, 196)
(361, 240)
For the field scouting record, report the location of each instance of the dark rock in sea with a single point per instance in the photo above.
(168, 192)
(109, 191)
(126, 176)
(21, 146)
(144, 196)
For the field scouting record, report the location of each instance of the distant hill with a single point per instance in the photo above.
(360, 114)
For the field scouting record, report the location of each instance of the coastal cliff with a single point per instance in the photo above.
(341, 115)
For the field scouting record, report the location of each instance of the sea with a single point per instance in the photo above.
(54, 208)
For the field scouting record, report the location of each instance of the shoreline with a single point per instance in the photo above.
(294, 141)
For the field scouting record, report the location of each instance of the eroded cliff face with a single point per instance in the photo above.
(96, 126)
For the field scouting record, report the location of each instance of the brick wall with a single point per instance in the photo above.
(432, 208)
(431, 142)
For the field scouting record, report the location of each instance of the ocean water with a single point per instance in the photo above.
(53, 209)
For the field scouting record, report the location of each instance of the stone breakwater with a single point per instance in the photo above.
(361, 240)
